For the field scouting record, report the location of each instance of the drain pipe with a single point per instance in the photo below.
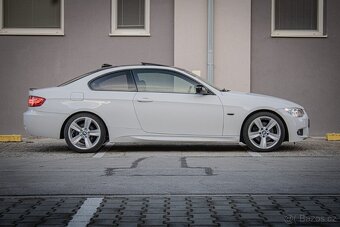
(210, 59)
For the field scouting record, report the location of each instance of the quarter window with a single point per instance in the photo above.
(119, 81)
(298, 18)
(164, 81)
(32, 17)
(130, 18)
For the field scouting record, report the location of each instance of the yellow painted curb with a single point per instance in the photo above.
(10, 138)
(333, 136)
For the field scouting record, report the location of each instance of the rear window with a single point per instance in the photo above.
(80, 77)
(116, 81)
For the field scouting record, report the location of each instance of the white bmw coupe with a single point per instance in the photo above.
(159, 103)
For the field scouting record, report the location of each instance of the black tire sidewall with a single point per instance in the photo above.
(102, 138)
(253, 117)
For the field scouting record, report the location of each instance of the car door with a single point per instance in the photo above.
(111, 96)
(167, 103)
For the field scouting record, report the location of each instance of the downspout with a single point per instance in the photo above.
(210, 59)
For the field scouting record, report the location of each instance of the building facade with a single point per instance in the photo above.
(252, 46)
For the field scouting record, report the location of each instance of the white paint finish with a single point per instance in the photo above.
(77, 96)
(164, 116)
(184, 114)
(115, 31)
(190, 35)
(85, 213)
(32, 31)
(34, 120)
(232, 44)
(242, 104)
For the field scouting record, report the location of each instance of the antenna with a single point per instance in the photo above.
(106, 65)
(147, 63)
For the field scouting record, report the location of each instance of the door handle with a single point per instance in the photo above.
(144, 100)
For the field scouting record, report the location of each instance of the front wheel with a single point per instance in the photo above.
(263, 131)
(85, 132)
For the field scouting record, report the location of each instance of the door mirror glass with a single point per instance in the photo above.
(200, 89)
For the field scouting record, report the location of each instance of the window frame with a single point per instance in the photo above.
(171, 72)
(115, 31)
(32, 31)
(319, 33)
(130, 80)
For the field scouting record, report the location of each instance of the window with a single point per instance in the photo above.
(31, 17)
(164, 81)
(118, 81)
(130, 18)
(298, 18)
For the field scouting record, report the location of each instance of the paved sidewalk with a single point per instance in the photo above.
(237, 210)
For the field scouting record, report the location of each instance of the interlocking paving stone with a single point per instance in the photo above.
(178, 220)
(226, 218)
(155, 210)
(229, 224)
(154, 222)
(178, 213)
(175, 211)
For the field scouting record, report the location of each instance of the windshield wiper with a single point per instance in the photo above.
(224, 90)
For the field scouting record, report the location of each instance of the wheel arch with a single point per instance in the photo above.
(61, 136)
(265, 110)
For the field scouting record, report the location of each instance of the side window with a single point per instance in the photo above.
(130, 18)
(293, 18)
(32, 17)
(117, 81)
(164, 81)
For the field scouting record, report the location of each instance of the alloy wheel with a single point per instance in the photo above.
(84, 133)
(264, 132)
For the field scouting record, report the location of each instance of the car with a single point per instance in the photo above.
(159, 103)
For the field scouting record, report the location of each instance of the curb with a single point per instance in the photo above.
(333, 136)
(10, 138)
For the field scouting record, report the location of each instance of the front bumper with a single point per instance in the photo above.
(298, 127)
(43, 124)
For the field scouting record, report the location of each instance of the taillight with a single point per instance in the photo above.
(34, 101)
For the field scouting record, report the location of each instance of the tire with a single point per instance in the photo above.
(263, 132)
(85, 133)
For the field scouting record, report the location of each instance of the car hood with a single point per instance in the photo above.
(253, 100)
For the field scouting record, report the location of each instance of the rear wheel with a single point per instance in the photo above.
(85, 132)
(263, 131)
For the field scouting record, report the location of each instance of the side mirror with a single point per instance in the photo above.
(200, 89)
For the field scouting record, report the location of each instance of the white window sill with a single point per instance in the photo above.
(298, 34)
(130, 33)
(31, 31)
(139, 35)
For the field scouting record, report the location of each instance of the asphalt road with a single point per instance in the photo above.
(42, 183)
(47, 167)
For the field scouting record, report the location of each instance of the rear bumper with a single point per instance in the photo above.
(43, 124)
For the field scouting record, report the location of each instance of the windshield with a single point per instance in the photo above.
(203, 79)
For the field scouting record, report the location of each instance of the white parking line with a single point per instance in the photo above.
(85, 213)
(254, 154)
(99, 154)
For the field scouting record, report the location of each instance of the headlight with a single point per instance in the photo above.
(295, 112)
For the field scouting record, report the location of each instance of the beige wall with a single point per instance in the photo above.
(190, 41)
(232, 44)
(231, 40)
